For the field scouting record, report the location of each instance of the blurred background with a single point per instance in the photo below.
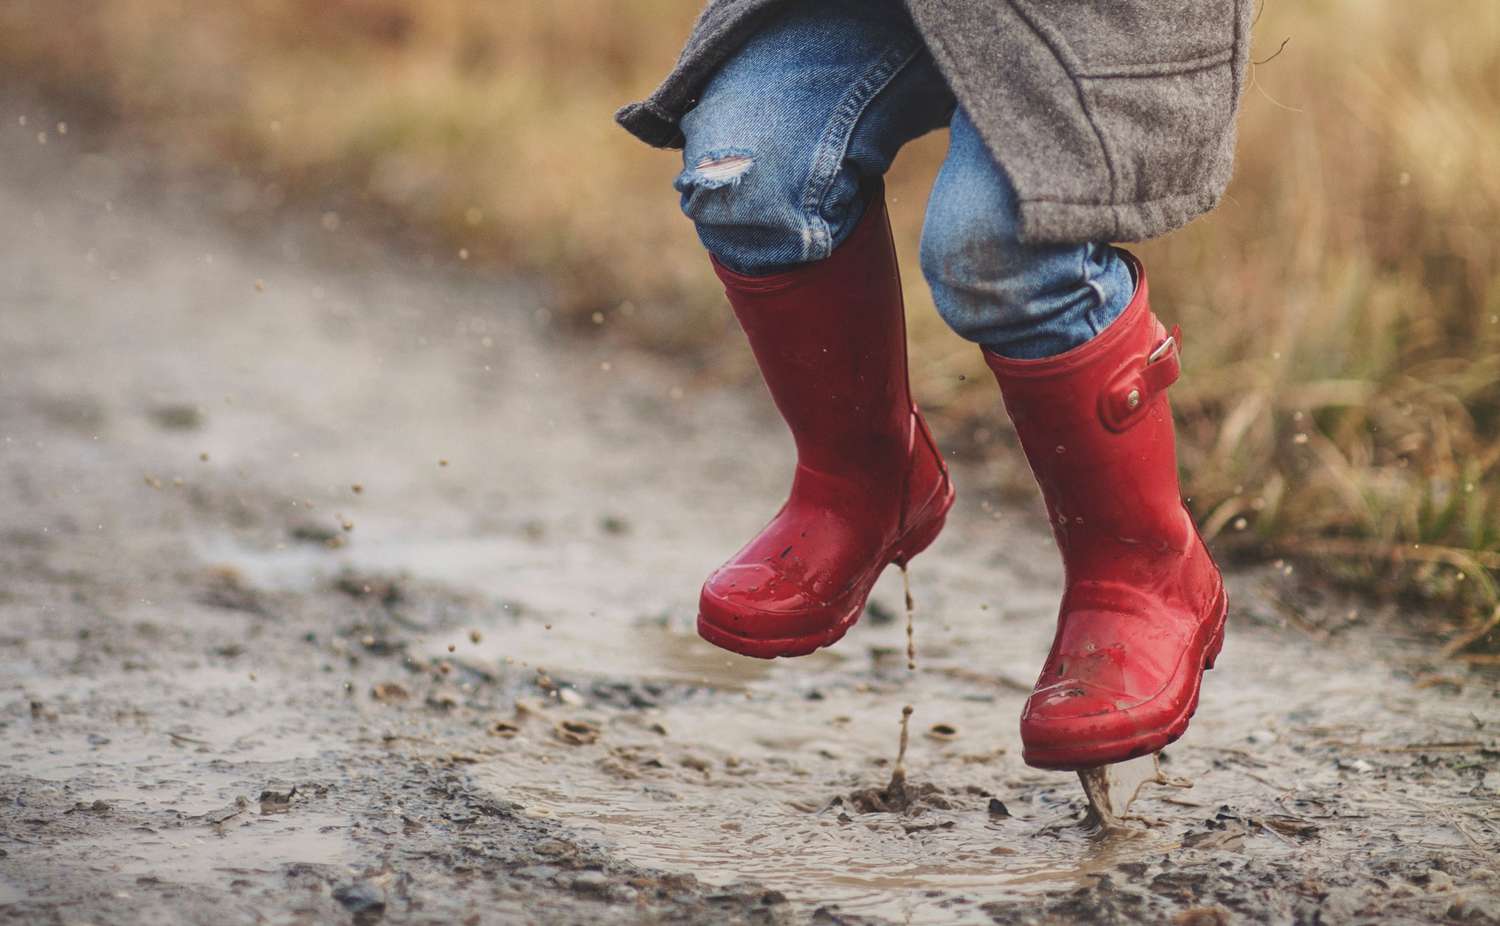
(1341, 309)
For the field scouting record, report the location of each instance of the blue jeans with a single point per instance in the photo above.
(819, 102)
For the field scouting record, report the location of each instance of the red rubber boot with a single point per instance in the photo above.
(870, 488)
(1143, 611)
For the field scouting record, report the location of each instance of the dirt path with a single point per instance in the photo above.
(334, 584)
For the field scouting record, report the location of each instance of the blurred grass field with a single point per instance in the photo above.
(1341, 309)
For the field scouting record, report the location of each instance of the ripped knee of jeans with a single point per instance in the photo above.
(720, 169)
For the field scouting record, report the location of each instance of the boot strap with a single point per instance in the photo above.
(1135, 387)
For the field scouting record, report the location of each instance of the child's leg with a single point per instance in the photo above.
(1084, 366)
(815, 105)
(1018, 300)
(781, 166)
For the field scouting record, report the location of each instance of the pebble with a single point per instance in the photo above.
(360, 897)
(551, 846)
(942, 732)
(591, 882)
(389, 691)
(576, 732)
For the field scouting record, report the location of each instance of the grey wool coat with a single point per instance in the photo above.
(1114, 119)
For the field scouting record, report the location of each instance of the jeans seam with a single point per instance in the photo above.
(829, 152)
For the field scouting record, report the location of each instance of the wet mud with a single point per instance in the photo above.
(336, 586)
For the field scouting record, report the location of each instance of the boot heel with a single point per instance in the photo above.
(921, 537)
(1211, 655)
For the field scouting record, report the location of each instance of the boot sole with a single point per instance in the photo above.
(903, 551)
(1096, 754)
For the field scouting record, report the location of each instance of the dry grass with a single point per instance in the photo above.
(1341, 310)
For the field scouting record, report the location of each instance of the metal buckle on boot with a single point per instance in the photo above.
(1163, 348)
(1129, 393)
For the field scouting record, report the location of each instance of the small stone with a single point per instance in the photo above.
(504, 729)
(577, 732)
(553, 847)
(591, 882)
(361, 897)
(942, 732)
(389, 691)
(276, 799)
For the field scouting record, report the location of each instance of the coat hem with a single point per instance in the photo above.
(651, 124)
(1048, 221)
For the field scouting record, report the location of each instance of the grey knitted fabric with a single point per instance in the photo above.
(1115, 119)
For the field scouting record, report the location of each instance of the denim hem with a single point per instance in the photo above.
(1111, 305)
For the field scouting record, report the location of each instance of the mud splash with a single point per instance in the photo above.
(911, 607)
(1111, 789)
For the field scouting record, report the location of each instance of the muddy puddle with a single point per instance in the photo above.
(735, 769)
(207, 854)
(478, 669)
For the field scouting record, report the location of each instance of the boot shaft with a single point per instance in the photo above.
(870, 489)
(830, 341)
(1096, 426)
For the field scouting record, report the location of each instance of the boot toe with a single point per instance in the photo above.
(1075, 714)
(1072, 699)
(758, 587)
(1071, 723)
(755, 601)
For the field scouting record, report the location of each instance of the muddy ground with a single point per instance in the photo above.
(337, 584)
